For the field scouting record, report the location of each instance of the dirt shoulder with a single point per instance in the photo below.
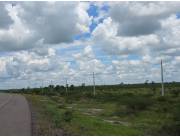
(42, 123)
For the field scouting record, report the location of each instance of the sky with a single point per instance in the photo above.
(44, 43)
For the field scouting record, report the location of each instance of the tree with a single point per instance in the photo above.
(57, 87)
(83, 85)
(146, 82)
(153, 87)
(51, 86)
(72, 87)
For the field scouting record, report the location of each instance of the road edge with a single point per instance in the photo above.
(30, 113)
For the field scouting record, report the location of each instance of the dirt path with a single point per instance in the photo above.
(15, 116)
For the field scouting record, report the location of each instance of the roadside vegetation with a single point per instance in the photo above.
(115, 110)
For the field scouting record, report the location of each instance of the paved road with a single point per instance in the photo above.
(15, 116)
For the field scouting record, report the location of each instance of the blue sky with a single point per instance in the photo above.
(102, 37)
(94, 11)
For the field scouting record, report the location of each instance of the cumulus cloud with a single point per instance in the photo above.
(5, 19)
(137, 28)
(40, 23)
(17, 36)
(126, 30)
(105, 35)
(27, 64)
(128, 41)
(87, 61)
(55, 22)
(141, 18)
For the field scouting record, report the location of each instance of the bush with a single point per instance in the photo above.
(138, 103)
(162, 99)
(55, 98)
(164, 108)
(68, 115)
(172, 127)
(176, 113)
(128, 94)
(69, 100)
(61, 105)
(175, 93)
(56, 121)
(121, 111)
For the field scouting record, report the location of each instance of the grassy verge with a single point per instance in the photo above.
(121, 114)
(51, 119)
(44, 114)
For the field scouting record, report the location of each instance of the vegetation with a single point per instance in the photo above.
(137, 109)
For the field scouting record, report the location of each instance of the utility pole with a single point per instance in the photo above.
(42, 83)
(66, 85)
(94, 86)
(28, 84)
(51, 86)
(42, 88)
(162, 80)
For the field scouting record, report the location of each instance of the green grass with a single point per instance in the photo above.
(120, 112)
(86, 125)
(81, 124)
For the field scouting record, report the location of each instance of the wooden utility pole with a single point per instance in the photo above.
(51, 86)
(66, 85)
(94, 86)
(42, 88)
(162, 79)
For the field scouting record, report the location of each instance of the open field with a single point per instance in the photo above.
(90, 68)
(115, 110)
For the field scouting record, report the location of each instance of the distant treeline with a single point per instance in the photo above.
(83, 87)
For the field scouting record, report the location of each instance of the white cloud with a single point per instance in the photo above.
(87, 61)
(57, 22)
(39, 23)
(141, 18)
(6, 20)
(134, 37)
(17, 36)
(84, 19)
(105, 35)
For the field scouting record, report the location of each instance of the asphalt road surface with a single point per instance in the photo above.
(15, 116)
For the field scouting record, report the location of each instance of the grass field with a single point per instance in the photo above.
(127, 111)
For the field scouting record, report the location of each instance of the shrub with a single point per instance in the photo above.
(164, 108)
(68, 115)
(56, 121)
(162, 99)
(137, 103)
(55, 98)
(175, 93)
(61, 105)
(176, 113)
(128, 94)
(172, 127)
(89, 95)
(69, 100)
(121, 111)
